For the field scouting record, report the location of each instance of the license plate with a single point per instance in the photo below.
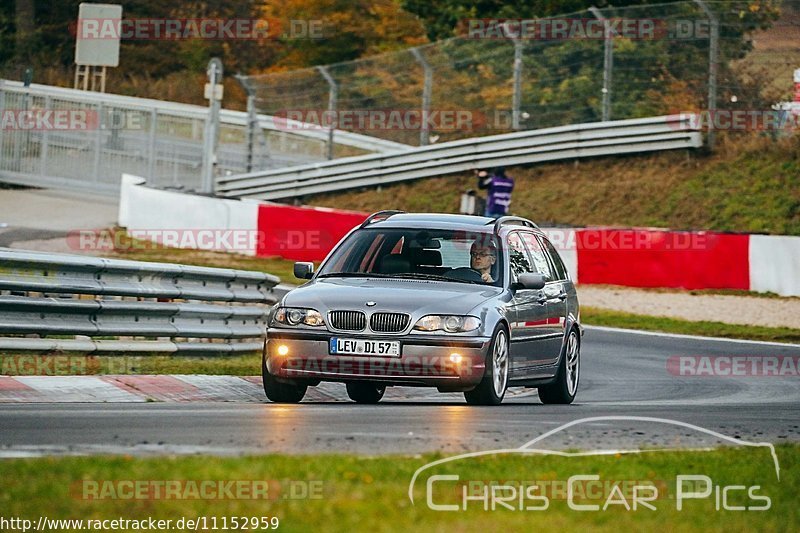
(339, 346)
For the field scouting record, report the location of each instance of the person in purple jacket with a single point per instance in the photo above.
(499, 186)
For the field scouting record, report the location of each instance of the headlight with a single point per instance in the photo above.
(448, 323)
(294, 316)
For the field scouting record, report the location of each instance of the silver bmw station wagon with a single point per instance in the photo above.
(458, 302)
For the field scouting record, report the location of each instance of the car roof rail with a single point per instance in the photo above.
(380, 215)
(512, 220)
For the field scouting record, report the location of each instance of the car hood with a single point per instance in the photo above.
(416, 297)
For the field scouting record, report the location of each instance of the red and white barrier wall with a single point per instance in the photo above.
(638, 257)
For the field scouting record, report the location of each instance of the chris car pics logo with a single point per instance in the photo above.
(448, 490)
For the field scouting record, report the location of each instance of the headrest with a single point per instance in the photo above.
(394, 264)
(427, 257)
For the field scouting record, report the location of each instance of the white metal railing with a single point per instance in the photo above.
(158, 139)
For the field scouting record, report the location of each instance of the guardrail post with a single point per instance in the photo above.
(212, 124)
(333, 96)
(713, 65)
(608, 61)
(424, 133)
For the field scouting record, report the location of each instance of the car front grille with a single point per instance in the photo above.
(388, 322)
(348, 320)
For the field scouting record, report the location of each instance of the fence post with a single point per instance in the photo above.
(151, 149)
(253, 128)
(713, 64)
(2, 109)
(252, 122)
(608, 61)
(333, 97)
(98, 144)
(516, 99)
(424, 133)
(211, 133)
(45, 148)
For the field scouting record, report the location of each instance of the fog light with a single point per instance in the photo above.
(283, 349)
(455, 358)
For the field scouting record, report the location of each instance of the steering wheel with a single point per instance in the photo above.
(464, 273)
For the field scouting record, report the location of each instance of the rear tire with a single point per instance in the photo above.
(361, 392)
(565, 387)
(278, 391)
(492, 388)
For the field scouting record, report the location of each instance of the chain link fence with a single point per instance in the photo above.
(503, 75)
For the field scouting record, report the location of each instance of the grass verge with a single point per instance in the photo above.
(127, 247)
(349, 493)
(31, 364)
(617, 319)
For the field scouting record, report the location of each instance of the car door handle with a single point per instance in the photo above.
(541, 300)
(561, 296)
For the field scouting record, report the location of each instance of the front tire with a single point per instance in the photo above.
(565, 387)
(492, 388)
(278, 391)
(368, 393)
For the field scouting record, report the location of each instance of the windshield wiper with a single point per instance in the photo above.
(353, 275)
(436, 277)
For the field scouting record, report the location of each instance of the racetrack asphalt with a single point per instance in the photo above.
(623, 374)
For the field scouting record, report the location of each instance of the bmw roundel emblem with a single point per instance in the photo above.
(371, 304)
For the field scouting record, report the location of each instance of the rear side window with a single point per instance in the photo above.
(537, 254)
(517, 255)
(558, 264)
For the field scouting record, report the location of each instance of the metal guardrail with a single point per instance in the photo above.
(550, 144)
(158, 139)
(144, 307)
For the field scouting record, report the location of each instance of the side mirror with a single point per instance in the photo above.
(303, 270)
(530, 281)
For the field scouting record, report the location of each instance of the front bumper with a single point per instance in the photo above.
(424, 360)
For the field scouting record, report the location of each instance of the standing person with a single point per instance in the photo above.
(500, 187)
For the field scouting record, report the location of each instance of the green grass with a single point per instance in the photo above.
(618, 319)
(67, 364)
(353, 493)
(138, 250)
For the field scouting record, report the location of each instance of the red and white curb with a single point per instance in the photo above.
(177, 389)
(124, 389)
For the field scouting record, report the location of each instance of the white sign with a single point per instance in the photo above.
(97, 35)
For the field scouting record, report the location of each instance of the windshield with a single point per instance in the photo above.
(445, 255)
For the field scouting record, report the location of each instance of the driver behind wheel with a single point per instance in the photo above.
(482, 258)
